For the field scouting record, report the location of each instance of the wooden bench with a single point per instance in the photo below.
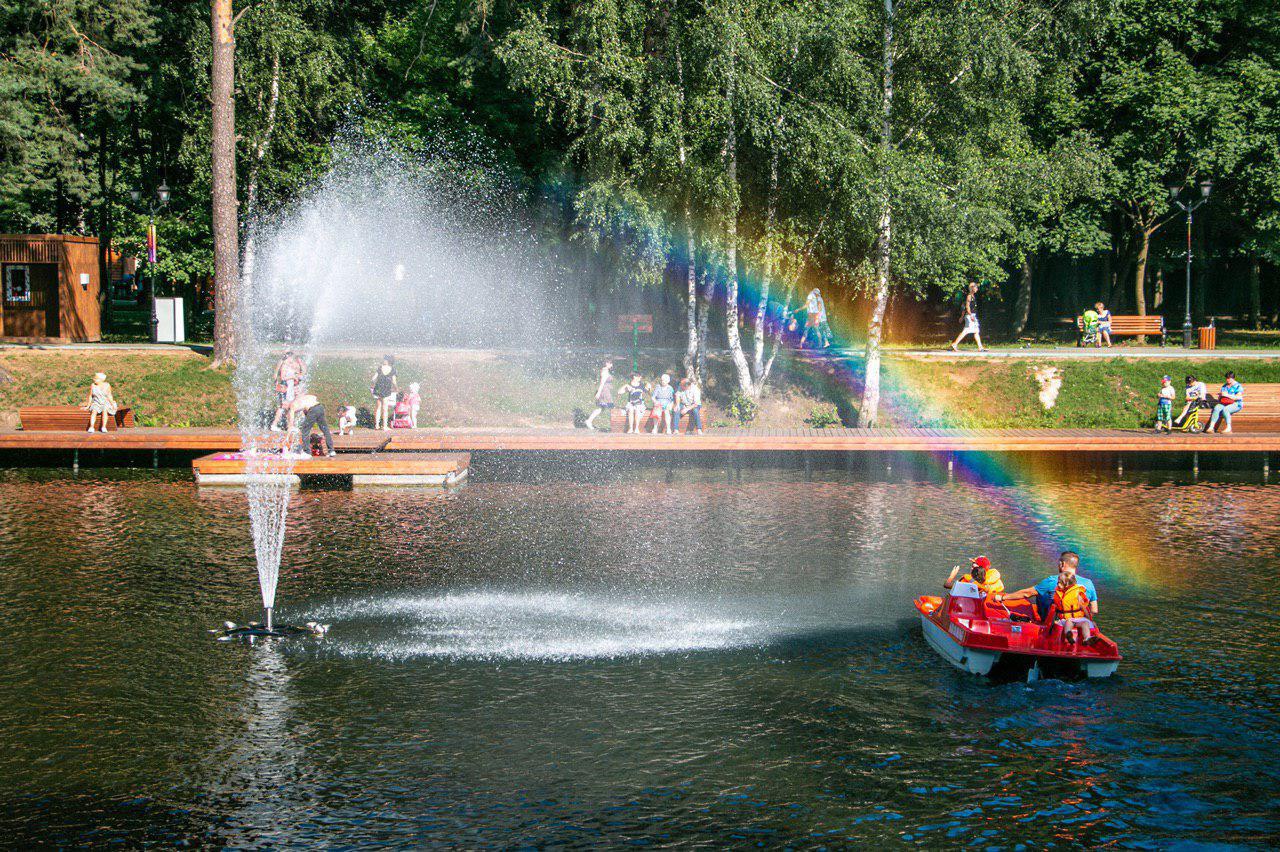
(1150, 325)
(618, 420)
(67, 418)
(1261, 412)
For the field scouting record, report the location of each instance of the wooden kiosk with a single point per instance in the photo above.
(49, 289)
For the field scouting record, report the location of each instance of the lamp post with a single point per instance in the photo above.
(161, 201)
(1189, 207)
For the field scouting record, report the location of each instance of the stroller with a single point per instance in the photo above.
(1191, 422)
(1089, 335)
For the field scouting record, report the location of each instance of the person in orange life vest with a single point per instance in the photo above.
(1044, 591)
(980, 573)
(1071, 608)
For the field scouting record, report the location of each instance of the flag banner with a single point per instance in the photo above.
(151, 243)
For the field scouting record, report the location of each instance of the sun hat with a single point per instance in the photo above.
(980, 562)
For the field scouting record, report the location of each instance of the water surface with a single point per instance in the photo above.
(695, 661)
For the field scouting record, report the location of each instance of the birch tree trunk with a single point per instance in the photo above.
(251, 190)
(1022, 305)
(870, 407)
(704, 322)
(692, 362)
(226, 236)
(732, 332)
(769, 271)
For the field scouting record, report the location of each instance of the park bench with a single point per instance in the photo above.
(1133, 326)
(1261, 412)
(67, 418)
(618, 419)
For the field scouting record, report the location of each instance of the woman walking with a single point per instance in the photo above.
(384, 390)
(604, 393)
(970, 319)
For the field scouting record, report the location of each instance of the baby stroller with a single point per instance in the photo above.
(1191, 422)
(1089, 336)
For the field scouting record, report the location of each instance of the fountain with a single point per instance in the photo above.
(387, 249)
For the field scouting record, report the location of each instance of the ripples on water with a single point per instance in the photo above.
(696, 662)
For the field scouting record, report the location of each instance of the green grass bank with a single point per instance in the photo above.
(463, 388)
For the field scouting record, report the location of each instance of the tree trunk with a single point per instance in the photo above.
(768, 272)
(883, 251)
(732, 332)
(1157, 293)
(704, 323)
(692, 363)
(226, 237)
(251, 190)
(1022, 305)
(1140, 271)
(104, 225)
(1255, 293)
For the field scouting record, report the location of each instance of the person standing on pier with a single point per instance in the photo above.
(384, 390)
(289, 374)
(312, 412)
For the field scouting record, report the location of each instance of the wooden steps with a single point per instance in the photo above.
(433, 469)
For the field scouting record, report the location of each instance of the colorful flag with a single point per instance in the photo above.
(151, 243)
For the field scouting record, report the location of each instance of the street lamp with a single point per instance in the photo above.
(161, 201)
(1189, 207)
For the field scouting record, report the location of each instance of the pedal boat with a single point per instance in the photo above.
(1004, 640)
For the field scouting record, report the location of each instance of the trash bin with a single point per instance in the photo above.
(1208, 337)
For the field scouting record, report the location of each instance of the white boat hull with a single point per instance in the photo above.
(965, 659)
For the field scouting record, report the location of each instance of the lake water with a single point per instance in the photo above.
(701, 661)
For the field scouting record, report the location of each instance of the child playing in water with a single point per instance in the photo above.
(347, 420)
(414, 399)
(1164, 405)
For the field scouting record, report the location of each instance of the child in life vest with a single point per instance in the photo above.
(402, 412)
(1072, 611)
(980, 573)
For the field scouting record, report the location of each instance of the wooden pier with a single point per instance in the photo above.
(717, 440)
(430, 469)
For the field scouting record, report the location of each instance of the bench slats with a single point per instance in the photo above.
(67, 418)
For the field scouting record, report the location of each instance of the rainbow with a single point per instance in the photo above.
(1031, 503)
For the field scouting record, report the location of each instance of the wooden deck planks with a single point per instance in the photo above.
(754, 440)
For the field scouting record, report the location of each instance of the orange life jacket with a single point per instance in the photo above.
(1073, 603)
(992, 585)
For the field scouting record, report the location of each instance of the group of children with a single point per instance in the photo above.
(670, 404)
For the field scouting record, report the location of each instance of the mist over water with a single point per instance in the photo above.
(388, 249)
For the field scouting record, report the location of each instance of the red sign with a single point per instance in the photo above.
(636, 322)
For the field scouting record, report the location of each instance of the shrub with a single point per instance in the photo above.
(743, 408)
(822, 416)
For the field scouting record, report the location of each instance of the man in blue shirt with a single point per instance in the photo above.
(1043, 591)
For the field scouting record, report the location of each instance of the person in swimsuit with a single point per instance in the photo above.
(288, 381)
(604, 392)
(384, 390)
(101, 401)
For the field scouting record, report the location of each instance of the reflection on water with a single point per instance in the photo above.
(695, 661)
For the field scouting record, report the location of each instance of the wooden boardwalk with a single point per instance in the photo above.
(361, 468)
(718, 440)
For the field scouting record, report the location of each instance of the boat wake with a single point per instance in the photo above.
(532, 626)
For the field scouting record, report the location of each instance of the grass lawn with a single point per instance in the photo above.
(491, 388)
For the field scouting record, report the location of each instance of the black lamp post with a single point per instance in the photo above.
(154, 207)
(1190, 206)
